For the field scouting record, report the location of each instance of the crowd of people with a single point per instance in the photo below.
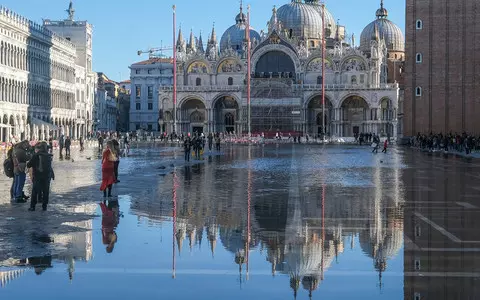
(447, 142)
(35, 160)
(197, 144)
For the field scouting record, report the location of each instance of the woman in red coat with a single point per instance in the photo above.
(108, 165)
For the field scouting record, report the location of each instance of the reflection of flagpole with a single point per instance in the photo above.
(323, 227)
(174, 216)
(249, 203)
(174, 71)
(249, 70)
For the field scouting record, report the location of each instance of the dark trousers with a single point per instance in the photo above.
(61, 150)
(12, 189)
(40, 192)
(115, 169)
(187, 155)
(67, 151)
(197, 153)
(210, 144)
(217, 146)
(384, 150)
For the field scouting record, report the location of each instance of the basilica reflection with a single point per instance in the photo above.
(299, 220)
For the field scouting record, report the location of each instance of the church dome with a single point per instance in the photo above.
(300, 20)
(234, 36)
(389, 31)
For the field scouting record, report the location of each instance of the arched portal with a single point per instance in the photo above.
(354, 116)
(192, 116)
(315, 116)
(226, 106)
(275, 64)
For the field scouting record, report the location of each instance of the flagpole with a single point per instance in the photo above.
(174, 71)
(249, 70)
(323, 72)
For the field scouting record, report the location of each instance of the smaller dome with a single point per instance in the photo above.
(386, 29)
(234, 36)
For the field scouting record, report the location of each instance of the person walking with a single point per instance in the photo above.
(42, 175)
(210, 141)
(20, 159)
(116, 152)
(82, 143)
(375, 143)
(108, 165)
(187, 147)
(385, 146)
(68, 144)
(198, 146)
(8, 169)
(217, 142)
(61, 144)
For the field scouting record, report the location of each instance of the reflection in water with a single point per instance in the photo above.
(110, 221)
(301, 222)
(65, 247)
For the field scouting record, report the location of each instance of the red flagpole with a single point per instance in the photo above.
(174, 70)
(323, 71)
(249, 71)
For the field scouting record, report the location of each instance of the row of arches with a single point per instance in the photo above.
(14, 128)
(34, 62)
(20, 92)
(352, 117)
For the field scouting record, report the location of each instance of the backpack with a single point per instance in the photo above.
(45, 165)
(8, 167)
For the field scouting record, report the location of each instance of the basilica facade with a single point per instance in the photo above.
(361, 90)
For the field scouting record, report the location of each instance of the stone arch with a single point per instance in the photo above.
(315, 112)
(223, 105)
(275, 47)
(191, 97)
(188, 121)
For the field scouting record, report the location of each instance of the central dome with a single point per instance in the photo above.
(301, 20)
(330, 23)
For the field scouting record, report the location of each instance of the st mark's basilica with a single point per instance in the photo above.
(362, 91)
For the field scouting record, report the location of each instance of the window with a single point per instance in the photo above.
(418, 91)
(419, 24)
(149, 127)
(362, 78)
(198, 82)
(312, 44)
(319, 80)
(419, 58)
(230, 81)
(417, 296)
(150, 106)
(138, 91)
(150, 92)
(137, 126)
(137, 71)
(138, 106)
(150, 71)
(418, 231)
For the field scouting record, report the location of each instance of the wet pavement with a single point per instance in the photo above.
(258, 222)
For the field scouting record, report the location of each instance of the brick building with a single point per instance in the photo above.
(442, 68)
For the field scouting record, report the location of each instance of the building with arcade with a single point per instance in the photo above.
(362, 91)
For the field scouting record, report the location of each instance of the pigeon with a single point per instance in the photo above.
(73, 160)
(89, 158)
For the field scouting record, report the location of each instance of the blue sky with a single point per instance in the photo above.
(122, 27)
